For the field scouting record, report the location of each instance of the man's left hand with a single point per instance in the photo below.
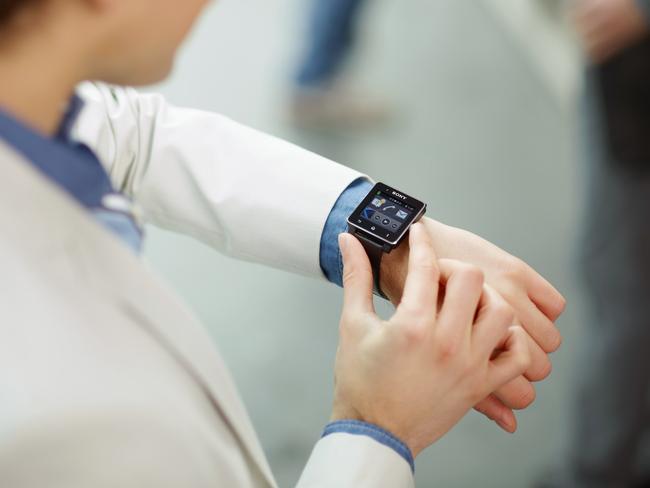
(536, 303)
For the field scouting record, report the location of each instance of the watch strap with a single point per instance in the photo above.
(375, 252)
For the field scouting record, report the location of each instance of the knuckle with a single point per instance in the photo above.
(426, 261)
(541, 371)
(515, 268)
(552, 341)
(526, 398)
(414, 333)
(522, 357)
(471, 275)
(524, 361)
(412, 311)
(447, 350)
(502, 312)
(509, 291)
(349, 274)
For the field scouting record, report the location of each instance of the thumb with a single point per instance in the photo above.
(357, 276)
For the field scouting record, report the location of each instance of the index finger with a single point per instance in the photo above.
(421, 287)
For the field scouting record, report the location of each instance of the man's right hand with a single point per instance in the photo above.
(417, 374)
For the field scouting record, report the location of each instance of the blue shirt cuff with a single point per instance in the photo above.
(337, 222)
(356, 427)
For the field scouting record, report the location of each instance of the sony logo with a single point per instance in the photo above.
(399, 195)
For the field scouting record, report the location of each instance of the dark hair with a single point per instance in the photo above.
(8, 8)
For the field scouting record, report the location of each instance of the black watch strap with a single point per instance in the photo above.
(375, 252)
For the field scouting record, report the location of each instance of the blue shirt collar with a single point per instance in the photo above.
(71, 165)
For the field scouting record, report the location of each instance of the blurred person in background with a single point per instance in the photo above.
(320, 96)
(611, 411)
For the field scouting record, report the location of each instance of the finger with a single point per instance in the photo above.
(357, 276)
(538, 326)
(540, 364)
(463, 290)
(495, 410)
(494, 317)
(510, 365)
(517, 394)
(422, 281)
(549, 301)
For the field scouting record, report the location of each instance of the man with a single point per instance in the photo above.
(107, 380)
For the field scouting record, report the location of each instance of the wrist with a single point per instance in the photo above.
(345, 413)
(393, 270)
(379, 434)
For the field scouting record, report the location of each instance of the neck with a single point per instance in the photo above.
(36, 84)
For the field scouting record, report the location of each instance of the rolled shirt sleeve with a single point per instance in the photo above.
(330, 254)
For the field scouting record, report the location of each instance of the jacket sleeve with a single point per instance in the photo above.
(247, 194)
(355, 461)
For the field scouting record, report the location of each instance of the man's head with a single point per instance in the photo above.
(128, 42)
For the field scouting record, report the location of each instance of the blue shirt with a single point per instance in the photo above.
(77, 170)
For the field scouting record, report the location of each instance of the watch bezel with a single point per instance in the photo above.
(419, 209)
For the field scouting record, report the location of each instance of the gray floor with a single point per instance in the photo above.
(477, 135)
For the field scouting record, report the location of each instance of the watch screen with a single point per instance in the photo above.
(386, 213)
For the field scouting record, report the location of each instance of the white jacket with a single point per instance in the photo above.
(106, 379)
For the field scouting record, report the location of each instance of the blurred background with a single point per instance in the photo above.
(483, 101)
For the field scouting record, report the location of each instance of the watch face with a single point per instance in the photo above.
(387, 213)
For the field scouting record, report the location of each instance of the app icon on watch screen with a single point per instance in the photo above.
(378, 202)
(401, 214)
(368, 213)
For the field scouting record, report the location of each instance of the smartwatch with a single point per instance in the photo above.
(381, 222)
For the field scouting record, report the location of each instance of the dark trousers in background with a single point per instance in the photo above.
(611, 415)
(331, 35)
